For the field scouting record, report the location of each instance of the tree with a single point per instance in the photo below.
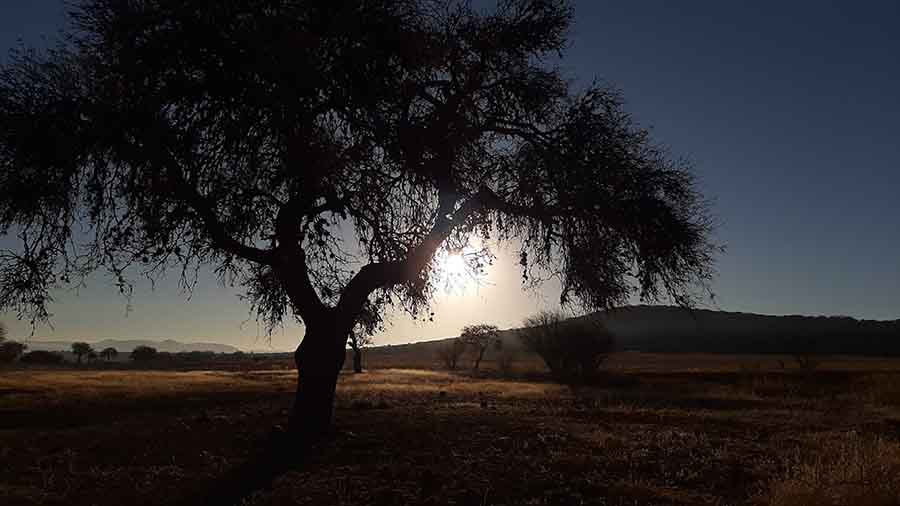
(144, 353)
(359, 340)
(109, 353)
(321, 154)
(450, 353)
(10, 351)
(480, 337)
(573, 350)
(80, 349)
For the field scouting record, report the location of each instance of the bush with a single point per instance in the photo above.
(10, 351)
(42, 357)
(573, 350)
(855, 469)
(144, 354)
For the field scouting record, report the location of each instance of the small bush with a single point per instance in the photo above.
(573, 350)
(10, 351)
(144, 354)
(42, 357)
(853, 470)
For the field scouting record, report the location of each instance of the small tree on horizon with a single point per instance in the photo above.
(109, 353)
(480, 337)
(81, 349)
(144, 353)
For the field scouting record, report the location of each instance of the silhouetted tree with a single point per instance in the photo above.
(479, 337)
(109, 353)
(450, 353)
(80, 349)
(144, 353)
(573, 349)
(10, 351)
(323, 153)
(358, 340)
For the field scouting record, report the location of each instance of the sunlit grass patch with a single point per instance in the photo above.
(851, 469)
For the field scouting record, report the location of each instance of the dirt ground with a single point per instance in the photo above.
(691, 430)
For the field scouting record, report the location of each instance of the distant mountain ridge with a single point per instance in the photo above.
(127, 345)
(668, 329)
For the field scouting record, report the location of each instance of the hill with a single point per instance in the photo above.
(126, 346)
(667, 329)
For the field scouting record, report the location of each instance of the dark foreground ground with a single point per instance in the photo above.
(695, 430)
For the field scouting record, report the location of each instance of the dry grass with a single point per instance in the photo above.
(850, 469)
(716, 431)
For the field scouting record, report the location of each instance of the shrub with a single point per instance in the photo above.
(42, 357)
(144, 354)
(10, 351)
(573, 350)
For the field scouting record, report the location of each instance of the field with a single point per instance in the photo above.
(659, 429)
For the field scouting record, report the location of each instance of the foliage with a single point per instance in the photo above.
(573, 350)
(144, 353)
(450, 353)
(42, 357)
(109, 353)
(80, 349)
(10, 351)
(321, 153)
(480, 337)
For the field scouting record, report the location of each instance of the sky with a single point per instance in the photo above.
(788, 110)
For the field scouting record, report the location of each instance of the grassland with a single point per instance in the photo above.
(659, 429)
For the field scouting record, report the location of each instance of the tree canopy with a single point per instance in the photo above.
(320, 154)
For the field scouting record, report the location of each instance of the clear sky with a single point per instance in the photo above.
(789, 110)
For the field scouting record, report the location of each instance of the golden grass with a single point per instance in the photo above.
(849, 470)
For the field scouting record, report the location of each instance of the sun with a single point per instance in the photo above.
(455, 265)
(453, 270)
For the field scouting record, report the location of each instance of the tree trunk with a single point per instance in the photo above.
(319, 358)
(479, 357)
(357, 360)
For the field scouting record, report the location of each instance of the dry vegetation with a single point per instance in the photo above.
(676, 429)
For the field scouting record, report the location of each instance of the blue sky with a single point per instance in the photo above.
(789, 111)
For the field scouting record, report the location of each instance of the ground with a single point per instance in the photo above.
(674, 430)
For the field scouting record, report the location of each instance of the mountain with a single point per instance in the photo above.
(125, 346)
(667, 329)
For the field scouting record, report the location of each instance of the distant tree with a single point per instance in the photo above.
(573, 350)
(144, 353)
(42, 357)
(10, 351)
(264, 140)
(480, 337)
(80, 349)
(451, 352)
(109, 353)
(358, 341)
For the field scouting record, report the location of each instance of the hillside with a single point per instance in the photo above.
(126, 346)
(666, 329)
